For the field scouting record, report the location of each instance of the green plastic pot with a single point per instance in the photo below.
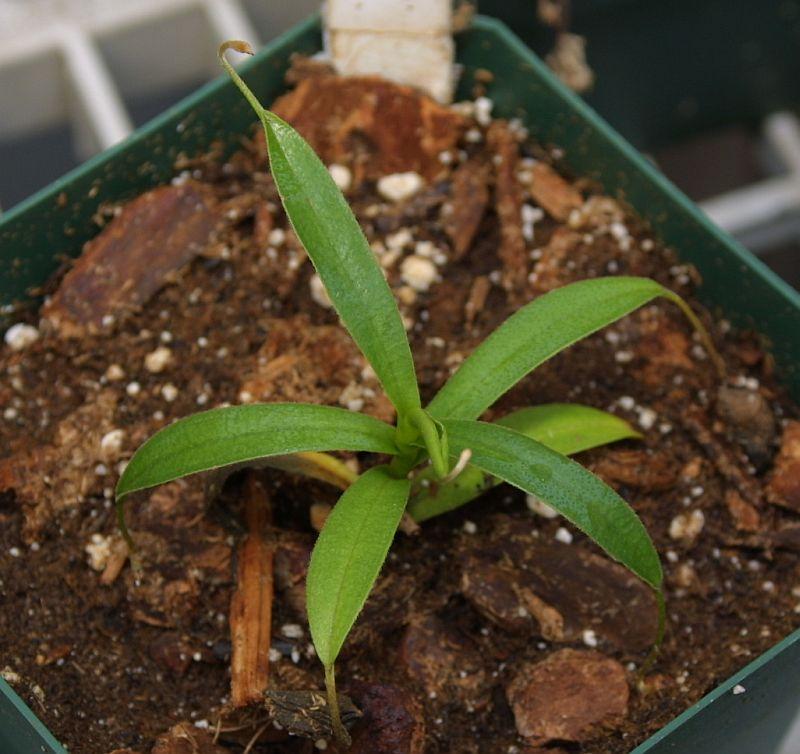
(57, 221)
(669, 70)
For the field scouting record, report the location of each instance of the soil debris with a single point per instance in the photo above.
(445, 663)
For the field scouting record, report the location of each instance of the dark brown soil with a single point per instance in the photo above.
(114, 665)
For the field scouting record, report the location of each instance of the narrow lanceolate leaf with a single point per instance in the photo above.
(341, 255)
(569, 427)
(574, 492)
(349, 554)
(564, 427)
(536, 332)
(338, 249)
(225, 436)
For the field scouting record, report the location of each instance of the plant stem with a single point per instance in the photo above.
(246, 49)
(700, 329)
(339, 731)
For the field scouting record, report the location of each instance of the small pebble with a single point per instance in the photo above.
(133, 389)
(687, 525)
(470, 527)
(535, 505)
(318, 292)
(156, 361)
(292, 630)
(418, 272)
(276, 237)
(341, 175)
(169, 392)
(564, 535)
(20, 336)
(115, 373)
(589, 638)
(738, 689)
(399, 186)
(111, 444)
(483, 110)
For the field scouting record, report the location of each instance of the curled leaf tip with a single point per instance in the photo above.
(237, 45)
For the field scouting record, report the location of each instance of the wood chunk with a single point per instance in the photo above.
(137, 253)
(783, 487)
(393, 722)
(478, 292)
(445, 663)
(314, 363)
(251, 603)
(567, 696)
(462, 214)
(185, 738)
(390, 128)
(551, 271)
(508, 205)
(744, 515)
(552, 193)
(53, 477)
(557, 591)
(640, 469)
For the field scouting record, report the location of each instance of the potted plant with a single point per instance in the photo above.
(591, 148)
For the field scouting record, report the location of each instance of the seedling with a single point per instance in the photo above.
(442, 444)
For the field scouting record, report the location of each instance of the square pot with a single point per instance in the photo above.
(58, 220)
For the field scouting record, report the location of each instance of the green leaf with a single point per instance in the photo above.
(574, 492)
(330, 233)
(564, 427)
(236, 434)
(349, 554)
(536, 332)
(569, 427)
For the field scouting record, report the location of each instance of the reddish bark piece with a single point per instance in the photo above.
(57, 476)
(184, 738)
(744, 515)
(508, 205)
(567, 696)
(445, 663)
(393, 722)
(552, 271)
(251, 604)
(783, 487)
(555, 591)
(390, 128)
(641, 469)
(552, 193)
(135, 255)
(462, 215)
(316, 363)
